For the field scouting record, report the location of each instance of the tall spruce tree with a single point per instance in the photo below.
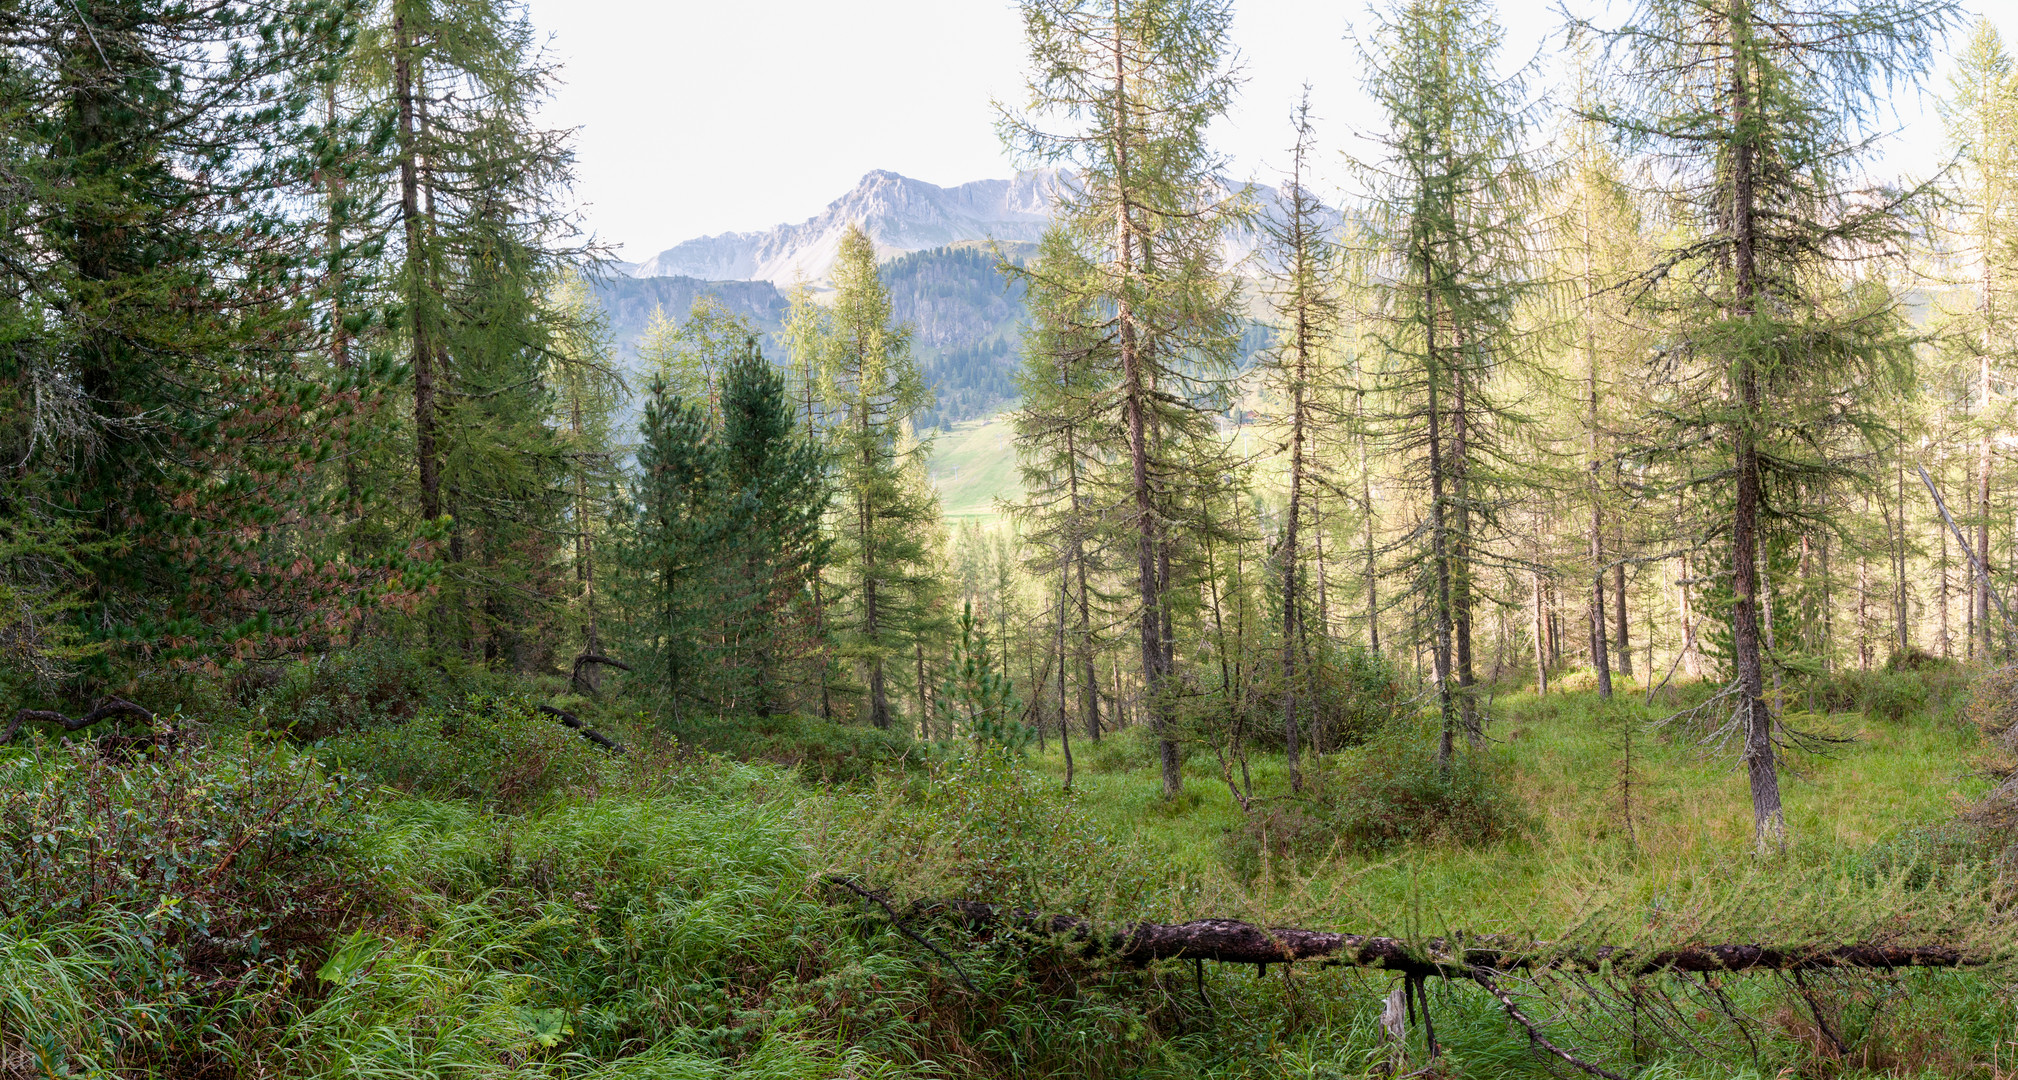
(1758, 111)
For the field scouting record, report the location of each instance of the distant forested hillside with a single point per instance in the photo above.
(968, 318)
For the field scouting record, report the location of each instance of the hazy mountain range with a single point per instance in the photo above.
(900, 214)
(937, 246)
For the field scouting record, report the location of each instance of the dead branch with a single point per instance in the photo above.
(589, 733)
(581, 685)
(106, 709)
(1484, 978)
(1235, 942)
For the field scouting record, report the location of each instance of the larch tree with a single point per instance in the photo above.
(1757, 111)
(1061, 446)
(872, 388)
(1981, 112)
(1448, 217)
(1305, 297)
(1131, 86)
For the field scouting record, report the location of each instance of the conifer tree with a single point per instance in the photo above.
(1307, 311)
(1757, 110)
(871, 390)
(1060, 444)
(167, 405)
(1448, 217)
(1141, 80)
(1981, 112)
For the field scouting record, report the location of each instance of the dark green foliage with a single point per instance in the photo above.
(726, 543)
(374, 683)
(495, 752)
(680, 534)
(157, 256)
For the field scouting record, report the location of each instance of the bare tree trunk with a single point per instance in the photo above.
(1600, 662)
(1541, 639)
(1981, 608)
(1461, 584)
(1440, 651)
(1625, 626)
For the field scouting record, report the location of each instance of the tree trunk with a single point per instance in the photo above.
(1769, 823)
(1625, 626)
(1461, 586)
(1600, 662)
(1135, 395)
(405, 91)
(1440, 614)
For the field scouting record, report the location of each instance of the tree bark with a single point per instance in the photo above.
(1769, 823)
(1235, 942)
(423, 351)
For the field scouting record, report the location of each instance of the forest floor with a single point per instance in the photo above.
(474, 890)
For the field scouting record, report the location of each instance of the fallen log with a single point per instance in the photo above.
(591, 734)
(1232, 941)
(105, 710)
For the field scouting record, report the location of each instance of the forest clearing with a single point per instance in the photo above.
(1520, 588)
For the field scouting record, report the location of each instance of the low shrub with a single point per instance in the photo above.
(1396, 797)
(155, 911)
(498, 752)
(1911, 683)
(366, 686)
(1993, 708)
(820, 751)
(1130, 750)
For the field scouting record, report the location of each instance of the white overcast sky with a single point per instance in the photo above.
(704, 116)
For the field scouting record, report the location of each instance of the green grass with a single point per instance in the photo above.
(1690, 808)
(974, 466)
(665, 915)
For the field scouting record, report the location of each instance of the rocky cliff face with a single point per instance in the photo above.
(901, 215)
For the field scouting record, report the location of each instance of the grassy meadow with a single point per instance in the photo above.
(458, 886)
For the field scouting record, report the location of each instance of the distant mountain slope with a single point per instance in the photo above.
(967, 318)
(900, 214)
(629, 302)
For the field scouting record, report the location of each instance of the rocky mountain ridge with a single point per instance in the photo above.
(901, 214)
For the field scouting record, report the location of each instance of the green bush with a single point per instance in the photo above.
(156, 912)
(1396, 797)
(367, 686)
(500, 753)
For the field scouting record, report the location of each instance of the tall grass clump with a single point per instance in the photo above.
(498, 752)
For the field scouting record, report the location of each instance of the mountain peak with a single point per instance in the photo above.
(900, 214)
